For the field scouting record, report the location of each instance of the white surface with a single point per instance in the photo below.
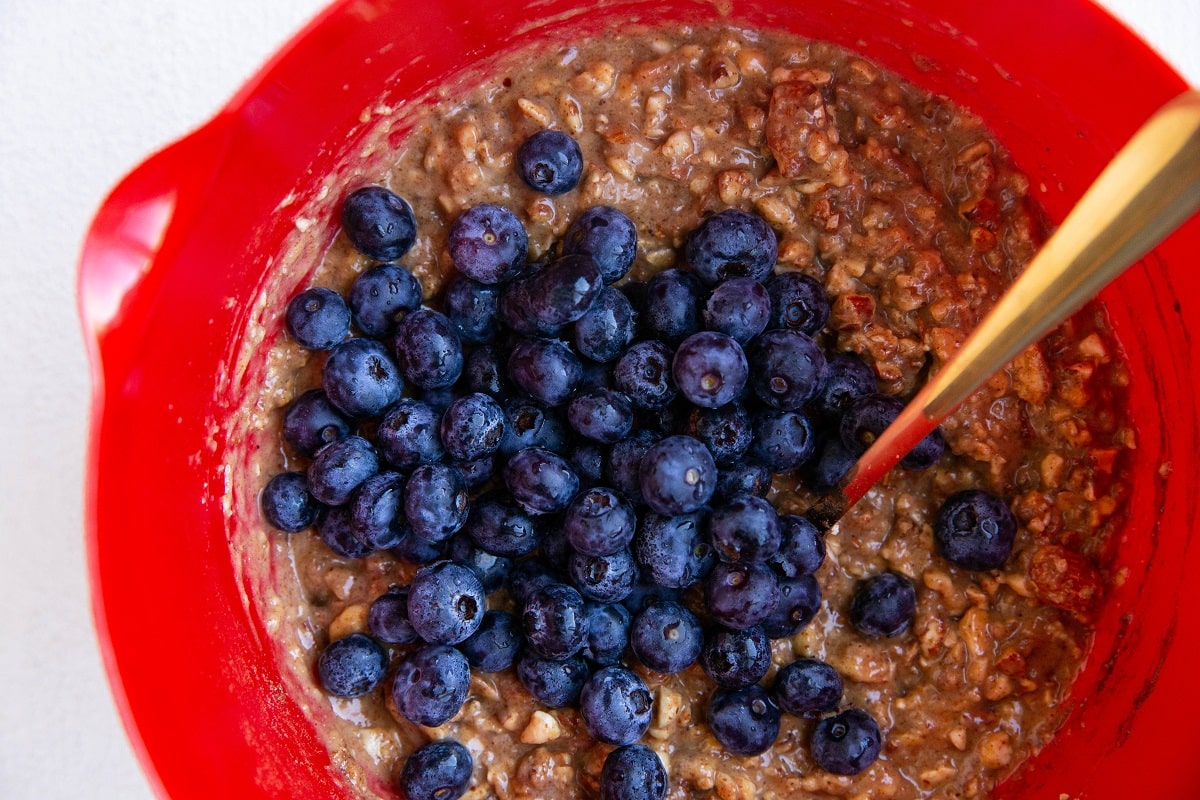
(87, 90)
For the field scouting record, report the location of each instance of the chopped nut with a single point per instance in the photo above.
(678, 145)
(535, 112)
(958, 738)
(542, 728)
(353, 619)
(995, 750)
(572, 116)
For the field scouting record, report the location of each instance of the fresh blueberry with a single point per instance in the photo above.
(378, 223)
(311, 422)
(381, 296)
(783, 440)
(445, 602)
(846, 743)
(555, 683)
(677, 475)
(802, 549)
(428, 350)
(339, 468)
(830, 465)
(352, 666)
(733, 658)
(608, 633)
(431, 684)
(798, 303)
(387, 619)
(615, 705)
(488, 244)
(739, 308)
(491, 570)
(745, 721)
(608, 236)
(622, 468)
(477, 472)
(417, 549)
(501, 528)
(438, 398)
(672, 311)
(559, 294)
(471, 308)
(437, 771)
(435, 501)
(741, 595)
(287, 504)
(787, 369)
(607, 328)
(593, 375)
(868, 416)
(732, 244)
(360, 378)
(745, 477)
(725, 431)
(530, 425)
(673, 551)
(605, 579)
(336, 531)
(527, 577)
(975, 530)
(546, 369)
(807, 688)
(643, 374)
(485, 369)
(601, 415)
(745, 529)
(472, 427)
(550, 162)
(710, 369)
(540, 481)
(883, 605)
(377, 510)
(408, 435)
(646, 594)
(494, 647)
(846, 377)
(634, 772)
(318, 318)
(587, 458)
(666, 637)
(799, 602)
(599, 522)
(553, 622)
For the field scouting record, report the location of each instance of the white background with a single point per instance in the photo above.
(87, 90)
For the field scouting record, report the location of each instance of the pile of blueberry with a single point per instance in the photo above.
(579, 463)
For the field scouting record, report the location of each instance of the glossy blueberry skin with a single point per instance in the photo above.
(846, 743)
(317, 318)
(643, 374)
(472, 427)
(622, 468)
(604, 579)
(741, 596)
(418, 550)
(883, 605)
(599, 522)
(739, 308)
(435, 501)
(555, 683)
(745, 477)
(545, 369)
(672, 310)
(799, 602)
(588, 460)
(478, 471)
(975, 530)
(377, 510)
(487, 243)
(550, 162)
(387, 619)
(557, 295)
(287, 504)
(807, 688)
(339, 468)
(335, 530)
(494, 647)
(431, 684)
(437, 771)
(530, 425)
(666, 637)
(528, 576)
(408, 435)
(798, 303)
(608, 633)
(352, 666)
(471, 307)
(607, 328)
(485, 369)
(846, 377)
(733, 658)
(674, 552)
(732, 244)
(783, 440)
(553, 622)
(378, 223)
(540, 481)
(490, 569)
(801, 549)
(830, 465)
(501, 528)
(601, 415)
(428, 350)
(866, 418)
(745, 529)
(446, 602)
(381, 296)
(677, 475)
(726, 432)
(311, 422)
(615, 705)
(634, 772)
(745, 721)
(710, 369)
(608, 236)
(787, 369)
(360, 379)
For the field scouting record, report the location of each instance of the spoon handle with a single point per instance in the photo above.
(1148, 190)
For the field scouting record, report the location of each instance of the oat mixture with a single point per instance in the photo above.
(908, 213)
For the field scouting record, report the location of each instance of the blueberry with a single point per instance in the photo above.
(868, 416)
(437, 771)
(527, 577)
(787, 369)
(559, 294)
(599, 522)
(846, 743)
(783, 440)
(336, 531)
(485, 369)
(741, 595)
(378, 223)
(587, 458)
(608, 236)
(739, 308)
(545, 369)
(477, 472)
(553, 622)
(491, 570)
(802, 548)
(673, 551)
(807, 688)
(726, 432)
(710, 369)
(431, 684)
(615, 705)
(471, 308)
(445, 602)
(634, 772)
(608, 633)
(745, 529)
(622, 467)
(553, 683)
(501, 528)
(311, 422)
(605, 579)
(435, 501)
(472, 427)
(672, 311)
(799, 602)
(745, 721)
(550, 162)
(339, 468)
(428, 350)
(408, 435)
(745, 477)
(318, 318)
(883, 605)
(645, 595)
(488, 244)
(381, 296)
(352, 666)
(666, 637)
(387, 619)
(733, 658)
(530, 425)
(377, 510)
(732, 244)
(494, 647)
(540, 481)
(417, 549)
(601, 415)
(643, 374)
(830, 465)
(677, 475)
(798, 303)
(287, 504)
(607, 328)
(360, 378)
(438, 398)
(975, 530)
(846, 378)
(593, 375)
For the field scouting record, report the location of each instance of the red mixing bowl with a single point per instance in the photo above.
(180, 246)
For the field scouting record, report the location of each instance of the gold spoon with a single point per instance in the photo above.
(1148, 190)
